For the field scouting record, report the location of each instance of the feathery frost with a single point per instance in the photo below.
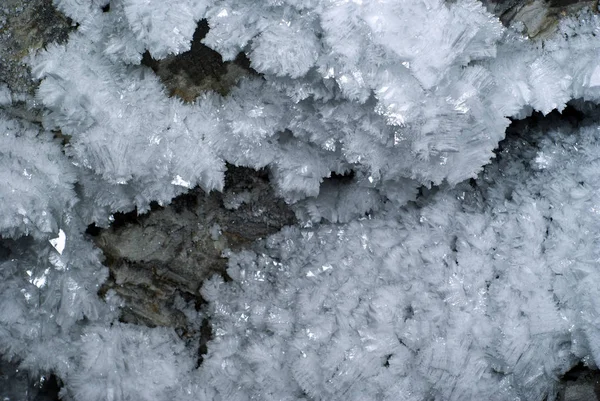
(469, 292)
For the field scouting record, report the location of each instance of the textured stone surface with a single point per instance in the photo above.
(580, 384)
(26, 26)
(157, 258)
(539, 18)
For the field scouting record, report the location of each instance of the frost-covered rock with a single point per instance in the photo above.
(484, 292)
(406, 94)
(472, 294)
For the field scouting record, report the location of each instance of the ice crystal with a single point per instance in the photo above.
(470, 291)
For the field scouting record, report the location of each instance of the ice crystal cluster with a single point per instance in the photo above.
(481, 289)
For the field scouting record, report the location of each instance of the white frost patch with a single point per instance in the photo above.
(595, 78)
(542, 161)
(5, 95)
(40, 281)
(181, 182)
(59, 242)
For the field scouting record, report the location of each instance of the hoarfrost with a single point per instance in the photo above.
(467, 292)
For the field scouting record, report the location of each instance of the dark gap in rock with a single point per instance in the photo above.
(4, 250)
(254, 210)
(200, 69)
(572, 114)
(567, 3)
(184, 202)
(243, 61)
(424, 193)
(345, 178)
(243, 177)
(106, 8)
(19, 384)
(576, 372)
(386, 364)
(49, 388)
(523, 137)
(576, 114)
(154, 206)
(64, 139)
(122, 219)
(409, 312)
(148, 61)
(453, 244)
(93, 230)
(200, 61)
(205, 336)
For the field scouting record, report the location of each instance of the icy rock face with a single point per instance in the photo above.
(484, 292)
(475, 293)
(32, 164)
(52, 319)
(400, 103)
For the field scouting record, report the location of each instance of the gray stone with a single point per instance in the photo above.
(580, 384)
(157, 258)
(539, 18)
(26, 26)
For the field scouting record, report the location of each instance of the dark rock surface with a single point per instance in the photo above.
(580, 384)
(18, 385)
(158, 259)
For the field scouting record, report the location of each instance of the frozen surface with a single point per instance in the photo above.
(403, 280)
(407, 94)
(475, 293)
